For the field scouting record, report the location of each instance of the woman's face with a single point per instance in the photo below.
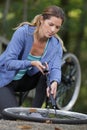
(50, 27)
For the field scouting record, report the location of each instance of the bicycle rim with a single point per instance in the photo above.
(45, 115)
(70, 84)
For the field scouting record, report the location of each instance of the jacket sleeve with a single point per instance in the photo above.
(14, 50)
(55, 72)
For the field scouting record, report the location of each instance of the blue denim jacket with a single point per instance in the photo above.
(14, 57)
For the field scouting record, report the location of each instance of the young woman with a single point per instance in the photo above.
(21, 65)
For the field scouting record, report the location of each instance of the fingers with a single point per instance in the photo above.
(45, 64)
(39, 65)
(48, 91)
(52, 89)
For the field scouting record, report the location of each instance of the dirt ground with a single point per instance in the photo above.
(26, 125)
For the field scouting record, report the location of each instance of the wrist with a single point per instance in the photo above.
(54, 82)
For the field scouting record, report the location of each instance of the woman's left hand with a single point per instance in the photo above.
(52, 89)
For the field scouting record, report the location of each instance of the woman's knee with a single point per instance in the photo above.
(7, 98)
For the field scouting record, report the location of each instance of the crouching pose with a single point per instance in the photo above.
(21, 64)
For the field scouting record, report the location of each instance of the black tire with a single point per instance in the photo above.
(42, 115)
(69, 88)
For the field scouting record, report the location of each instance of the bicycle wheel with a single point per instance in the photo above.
(45, 115)
(69, 88)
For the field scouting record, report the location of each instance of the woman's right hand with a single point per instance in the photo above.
(39, 65)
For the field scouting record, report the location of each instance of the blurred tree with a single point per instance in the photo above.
(25, 10)
(65, 32)
(5, 13)
(81, 29)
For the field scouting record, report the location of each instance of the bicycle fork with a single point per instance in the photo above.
(51, 98)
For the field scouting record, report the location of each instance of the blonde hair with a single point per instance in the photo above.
(34, 22)
(46, 14)
(61, 41)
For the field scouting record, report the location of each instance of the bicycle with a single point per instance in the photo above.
(68, 90)
(71, 79)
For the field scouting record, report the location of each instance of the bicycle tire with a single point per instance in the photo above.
(69, 60)
(62, 117)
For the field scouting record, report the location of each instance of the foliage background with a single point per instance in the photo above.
(73, 32)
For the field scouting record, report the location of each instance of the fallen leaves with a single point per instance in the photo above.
(48, 122)
(32, 110)
(57, 128)
(24, 127)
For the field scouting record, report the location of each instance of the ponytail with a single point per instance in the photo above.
(34, 22)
